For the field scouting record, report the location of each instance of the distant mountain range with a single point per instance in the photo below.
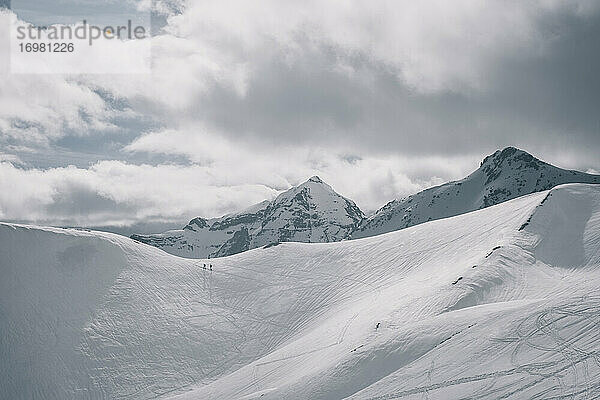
(314, 213)
(310, 212)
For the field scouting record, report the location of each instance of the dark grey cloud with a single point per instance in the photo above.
(541, 100)
(78, 202)
(318, 92)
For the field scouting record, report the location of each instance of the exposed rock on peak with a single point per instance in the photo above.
(510, 158)
(197, 223)
(507, 154)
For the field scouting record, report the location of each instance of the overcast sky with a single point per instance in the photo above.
(379, 98)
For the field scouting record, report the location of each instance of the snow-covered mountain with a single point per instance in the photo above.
(310, 212)
(499, 303)
(314, 213)
(502, 176)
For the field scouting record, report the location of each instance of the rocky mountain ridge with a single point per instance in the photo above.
(314, 213)
(502, 176)
(310, 212)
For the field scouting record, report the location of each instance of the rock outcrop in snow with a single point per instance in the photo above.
(310, 212)
(502, 176)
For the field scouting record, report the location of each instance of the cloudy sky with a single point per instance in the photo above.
(379, 98)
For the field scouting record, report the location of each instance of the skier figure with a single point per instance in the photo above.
(204, 267)
(377, 326)
(211, 267)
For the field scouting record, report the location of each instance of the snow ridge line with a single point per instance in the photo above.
(526, 223)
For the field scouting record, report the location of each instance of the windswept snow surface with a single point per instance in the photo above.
(498, 303)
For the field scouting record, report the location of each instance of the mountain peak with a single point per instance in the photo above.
(507, 161)
(315, 179)
(314, 182)
(309, 212)
(504, 175)
(508, 154)
(197, 223)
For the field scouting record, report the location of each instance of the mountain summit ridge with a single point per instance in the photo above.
(501, 176)
(313, 212)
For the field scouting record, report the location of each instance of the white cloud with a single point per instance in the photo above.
(36, 109)
(117, 193)
(370, 180)
(222, 178)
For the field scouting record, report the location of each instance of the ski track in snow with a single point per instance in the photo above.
(499, 303)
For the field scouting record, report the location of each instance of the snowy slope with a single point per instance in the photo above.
(502, 176)
(497, 303)
(310, 212)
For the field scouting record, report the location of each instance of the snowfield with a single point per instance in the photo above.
(500, 303)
